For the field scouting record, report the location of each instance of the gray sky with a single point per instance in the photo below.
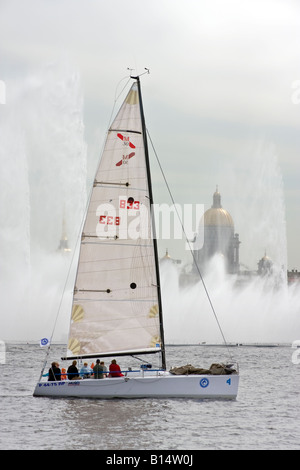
(221, 101)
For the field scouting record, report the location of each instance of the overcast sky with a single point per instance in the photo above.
(221, 101)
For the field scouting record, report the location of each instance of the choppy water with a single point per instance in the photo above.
(266, 414)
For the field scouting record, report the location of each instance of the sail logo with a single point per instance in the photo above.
(125, 159)
(126, 141)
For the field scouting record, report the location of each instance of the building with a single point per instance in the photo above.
(293, 277)
(219, 238)
(168, 258)
(64, 244)
(265, 266)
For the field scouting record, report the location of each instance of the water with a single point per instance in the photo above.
(266, 414)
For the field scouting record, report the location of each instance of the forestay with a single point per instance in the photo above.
(116, 305)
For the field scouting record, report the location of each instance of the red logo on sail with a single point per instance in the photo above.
(126, 140)
(125, 159)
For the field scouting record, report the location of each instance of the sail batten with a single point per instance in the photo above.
(112, 354)
(125, 130)
(116, 304)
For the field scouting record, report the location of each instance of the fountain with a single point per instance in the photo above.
(250, 308)
(43, 187)
(253, 313)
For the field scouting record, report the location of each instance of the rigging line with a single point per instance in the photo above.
(113, 110)
(141, 360)
(189, 245)
(118, 96)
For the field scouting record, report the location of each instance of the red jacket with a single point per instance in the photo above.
(115, 370)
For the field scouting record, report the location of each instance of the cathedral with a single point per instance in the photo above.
(219, 238)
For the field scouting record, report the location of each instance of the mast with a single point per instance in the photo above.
(144, 132)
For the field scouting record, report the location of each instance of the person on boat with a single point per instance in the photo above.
(85, 371)
(98, 370)
(104, 368)
(114, 369)
(54, 372)
(73, 371)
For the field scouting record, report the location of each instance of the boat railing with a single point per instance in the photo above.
(142, 372)
(126, 373)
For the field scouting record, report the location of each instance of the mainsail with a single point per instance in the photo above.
(116, 305)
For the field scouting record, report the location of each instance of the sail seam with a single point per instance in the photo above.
(114, 244)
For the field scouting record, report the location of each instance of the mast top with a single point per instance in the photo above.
(136, 77)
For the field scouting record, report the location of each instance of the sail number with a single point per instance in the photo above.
(124, 204)
(109, 220)
(129, 204)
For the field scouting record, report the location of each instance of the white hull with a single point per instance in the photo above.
(162, 386)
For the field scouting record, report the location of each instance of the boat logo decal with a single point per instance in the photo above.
(204, 383)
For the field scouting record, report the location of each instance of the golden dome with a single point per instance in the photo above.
(216, 215)
(167, 256)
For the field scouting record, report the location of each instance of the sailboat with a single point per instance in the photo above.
(117, 306)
